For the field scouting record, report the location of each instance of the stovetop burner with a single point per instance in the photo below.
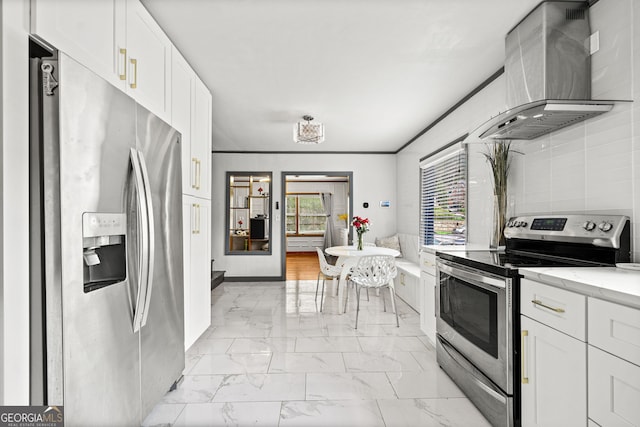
(506, 263)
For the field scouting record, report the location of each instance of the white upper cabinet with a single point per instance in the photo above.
(148, 61)
(201, 142)
(191, 115)
(91, 32)
(116, 39)
(182, 88)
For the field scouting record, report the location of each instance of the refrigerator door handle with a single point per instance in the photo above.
(142, 216)
(150, 253)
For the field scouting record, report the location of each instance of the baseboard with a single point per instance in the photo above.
(255, 279)
(217, 277)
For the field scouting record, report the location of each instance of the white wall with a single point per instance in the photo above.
(374, 180)
(593, 166)
(14, 205)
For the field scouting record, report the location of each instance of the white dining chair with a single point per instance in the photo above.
(374, 271)
(327, 271)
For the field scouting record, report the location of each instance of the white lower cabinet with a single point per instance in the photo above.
(566, 380)
(428, 305)
(614, 364)
(427, 295)
(406, 287)
(554, 382)
(614, 392)
(197, 267)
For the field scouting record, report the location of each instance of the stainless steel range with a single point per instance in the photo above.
(478, 300)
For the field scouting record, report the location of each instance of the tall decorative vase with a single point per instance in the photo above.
(499, 220)
(360, 244)
(498, 157)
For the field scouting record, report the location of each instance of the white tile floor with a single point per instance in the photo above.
(270, 358)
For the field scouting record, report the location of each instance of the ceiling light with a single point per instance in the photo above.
(307, 132)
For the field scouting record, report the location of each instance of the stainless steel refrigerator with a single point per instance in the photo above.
(107, 323)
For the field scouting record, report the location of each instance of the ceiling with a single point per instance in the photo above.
(375, 72)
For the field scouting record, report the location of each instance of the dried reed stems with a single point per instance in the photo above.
(498, 156)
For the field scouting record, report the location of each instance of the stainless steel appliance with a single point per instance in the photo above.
(478, 300)
(107, 325)
(548, 74)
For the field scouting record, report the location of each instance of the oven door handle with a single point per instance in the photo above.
(471, 276)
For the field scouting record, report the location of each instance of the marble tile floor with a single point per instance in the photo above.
(270, 358)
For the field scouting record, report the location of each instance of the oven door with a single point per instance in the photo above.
(473, 314)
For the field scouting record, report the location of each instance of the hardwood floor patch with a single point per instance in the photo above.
(302, 266)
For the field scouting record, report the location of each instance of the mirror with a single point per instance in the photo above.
(248, 213)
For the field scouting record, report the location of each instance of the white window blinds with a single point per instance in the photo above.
(443, 197)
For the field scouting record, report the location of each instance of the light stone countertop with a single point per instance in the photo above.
(608, 283)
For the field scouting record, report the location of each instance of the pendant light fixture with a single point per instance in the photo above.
(305, 132)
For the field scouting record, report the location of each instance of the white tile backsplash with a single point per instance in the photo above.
(612, 65)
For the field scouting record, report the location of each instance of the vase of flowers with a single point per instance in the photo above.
(362, 226)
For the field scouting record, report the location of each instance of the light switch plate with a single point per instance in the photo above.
(594, 42)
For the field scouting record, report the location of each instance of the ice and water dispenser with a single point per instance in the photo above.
(104, 250)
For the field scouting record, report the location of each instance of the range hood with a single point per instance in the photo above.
(548, 74)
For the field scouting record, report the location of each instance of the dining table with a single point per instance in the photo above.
(347, 258)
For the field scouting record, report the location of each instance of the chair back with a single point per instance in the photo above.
(374, 270)
(326, 268)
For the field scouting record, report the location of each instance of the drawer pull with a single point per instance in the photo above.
(541, 304)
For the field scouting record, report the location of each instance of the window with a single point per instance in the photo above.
(443, 196)
(305, 214)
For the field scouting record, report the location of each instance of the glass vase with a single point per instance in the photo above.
(499, 221)
(360, 244)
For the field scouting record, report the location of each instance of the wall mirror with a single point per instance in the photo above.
(248, 213)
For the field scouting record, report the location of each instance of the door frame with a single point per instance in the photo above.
(283, 216)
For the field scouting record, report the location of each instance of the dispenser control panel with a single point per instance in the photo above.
(103, 224)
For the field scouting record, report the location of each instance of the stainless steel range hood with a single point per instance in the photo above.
(548, 74)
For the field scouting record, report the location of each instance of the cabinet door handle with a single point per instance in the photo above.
(198, 170)
(122, 65)
(548, 307)
(194, 230)
(198, 207)
(525, 379)
(134, 62)
(194, 179)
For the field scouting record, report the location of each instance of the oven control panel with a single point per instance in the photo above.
(599, 230)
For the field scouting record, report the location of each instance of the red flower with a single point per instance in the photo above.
(361, 224)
